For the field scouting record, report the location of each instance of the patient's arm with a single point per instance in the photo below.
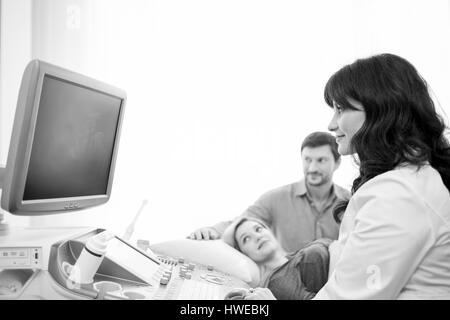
(260, 210)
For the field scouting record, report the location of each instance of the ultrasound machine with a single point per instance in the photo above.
(61, 159)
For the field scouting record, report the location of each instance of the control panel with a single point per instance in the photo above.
(20, 258)
(126, 273)
(185, 280)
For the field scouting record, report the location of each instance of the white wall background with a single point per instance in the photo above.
(220, 93)
(15, 52)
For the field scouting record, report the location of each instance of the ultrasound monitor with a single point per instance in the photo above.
(64, 142)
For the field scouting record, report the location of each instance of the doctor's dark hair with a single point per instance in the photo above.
(401, 125)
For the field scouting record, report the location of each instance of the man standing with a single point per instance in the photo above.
(300, 212)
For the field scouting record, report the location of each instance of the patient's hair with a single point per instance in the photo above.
(401, 125)
(262, 224)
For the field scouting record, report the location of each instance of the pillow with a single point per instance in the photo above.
(214, 253)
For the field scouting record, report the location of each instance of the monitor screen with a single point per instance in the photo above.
(73, 141)
(64, 142)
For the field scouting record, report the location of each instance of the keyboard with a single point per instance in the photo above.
(201, 290)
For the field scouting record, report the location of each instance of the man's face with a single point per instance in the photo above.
(318, 165)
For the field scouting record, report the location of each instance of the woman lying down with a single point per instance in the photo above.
(296, 276)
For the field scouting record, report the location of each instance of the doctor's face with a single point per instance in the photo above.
(256, 241)
(345, 123)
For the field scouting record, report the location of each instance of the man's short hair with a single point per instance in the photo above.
(318, 139)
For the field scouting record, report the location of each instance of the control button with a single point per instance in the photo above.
(188, 275)
(164, 281)
(191, 266)
(167, 274)
(181, 260)
(210, 268)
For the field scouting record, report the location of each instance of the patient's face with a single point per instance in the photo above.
(256, 241)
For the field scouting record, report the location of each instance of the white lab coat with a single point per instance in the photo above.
(394, 239)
